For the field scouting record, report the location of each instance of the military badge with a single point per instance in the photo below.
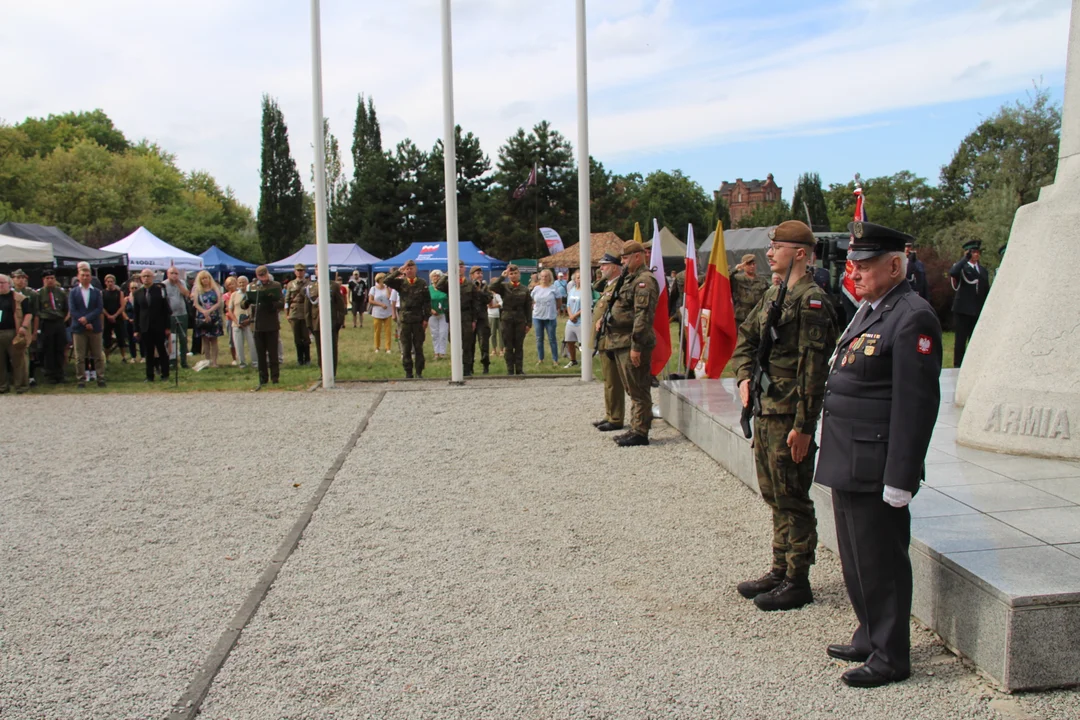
(869, 350)
(925, 345)
(815, 304)
(772, 233)
(857, 229)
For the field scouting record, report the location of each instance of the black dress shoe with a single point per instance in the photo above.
(632, 440)
(865, 676)
(609, 426)
(848, 653)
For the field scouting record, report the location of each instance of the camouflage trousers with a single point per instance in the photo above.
(785, 486)
(638, 385)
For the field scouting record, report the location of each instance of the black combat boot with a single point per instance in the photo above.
(485, 368)
(793, 593)
(769, 581)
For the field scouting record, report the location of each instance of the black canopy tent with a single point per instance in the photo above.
(67, 251)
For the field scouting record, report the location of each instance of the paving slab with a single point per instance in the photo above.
(968, 532)
(1051, 525)
(1008, 495)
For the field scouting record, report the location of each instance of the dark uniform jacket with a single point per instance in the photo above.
(484, 297)
(972, 286)
(415, 297)
(52, 303)
(266, 302)
(916, 277)
(799, 362)
(337, 306)
(152, 310)
(472, 305)
(517, 301)
(632, 311)
(882, 397)
(606, 288)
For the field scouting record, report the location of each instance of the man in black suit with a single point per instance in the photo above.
(916, 272)
(971, 282)
(881, 403)
(153, 316)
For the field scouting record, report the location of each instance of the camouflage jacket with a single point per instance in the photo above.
(296, 298)
(745, 293)
(799, 364)
(605, 288)
(415, 297)
(632, 312)
(517, 302)
(472, 300)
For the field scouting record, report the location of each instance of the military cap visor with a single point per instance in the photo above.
(973, 245)
(475, 268)
(869, 240)
(609, 259)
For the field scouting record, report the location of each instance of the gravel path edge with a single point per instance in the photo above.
(187, 707)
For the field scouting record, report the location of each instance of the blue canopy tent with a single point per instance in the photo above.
(343, 257)
(221, 263)
(433, 256)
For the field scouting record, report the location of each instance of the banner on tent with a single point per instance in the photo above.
(427, 252)
(554, 242)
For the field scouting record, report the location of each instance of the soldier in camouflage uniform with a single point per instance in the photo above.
(415, 311)
(614, 393)
(784, 447)
(52, 311)
(631, 337)
(472, 306)
(483, 329)
(18, 284)
(297, 302)
(746, 287)
(516, 316)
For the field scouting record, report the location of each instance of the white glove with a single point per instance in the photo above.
(896, 498)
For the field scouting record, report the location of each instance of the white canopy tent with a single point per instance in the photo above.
(146, 250)
(16, 250)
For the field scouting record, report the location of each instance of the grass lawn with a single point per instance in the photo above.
(357, 360)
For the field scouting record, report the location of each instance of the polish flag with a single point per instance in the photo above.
(691, 304)
(662, 318)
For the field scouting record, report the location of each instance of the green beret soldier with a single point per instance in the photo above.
(747, 287)
(516, 315)
(784, 448)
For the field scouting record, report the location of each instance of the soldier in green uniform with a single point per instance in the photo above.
(18, 284)
(264, 296)
(631, 338)
(337, 316)
(614, 393)
(746, 287)
(296, 303)
(483, 329)
(415, 301)
(471, 308)
(784, 448)
(516, 316)
(52, 315)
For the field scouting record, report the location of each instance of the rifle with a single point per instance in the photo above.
(605, 320)
(760, 382)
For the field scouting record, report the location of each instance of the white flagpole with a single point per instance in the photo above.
(584, 221)
(450, 177)
(326, 319)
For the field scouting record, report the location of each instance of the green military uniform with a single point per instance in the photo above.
(52, 309)
(31, 349)
(471, 308)
(337, 317)
(415, 301)
(631, 328)
(746, 292)
(798, 368)
(267, 301)
(614, 393)
(297, 302)
(483, 328)
(516, 319)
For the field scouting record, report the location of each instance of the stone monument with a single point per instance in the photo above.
(1020, 381)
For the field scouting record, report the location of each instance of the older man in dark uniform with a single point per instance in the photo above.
(972, 284)
(614, 393)
(881, 403)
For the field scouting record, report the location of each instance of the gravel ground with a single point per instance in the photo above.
(461, 566)
(126, 549)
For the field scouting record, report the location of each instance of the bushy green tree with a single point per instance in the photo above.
(282, 222)
(809, 198)
(675, 201)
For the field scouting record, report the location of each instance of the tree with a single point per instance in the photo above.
(282, 223)
(809, 199)
(473, 180)
(902, 201)
(372, 218)
(675, 201)
(67, 130)
(337, 187)
(766, 214)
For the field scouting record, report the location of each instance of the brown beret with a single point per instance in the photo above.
(299, 266)
(511, 268)
(632, 247)
(261, 269)
(474, 268)
(793, 231)
(409, 263)
(749, 258)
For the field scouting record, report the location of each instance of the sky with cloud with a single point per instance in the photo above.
(719, 89)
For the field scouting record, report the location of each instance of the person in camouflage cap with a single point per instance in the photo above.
(747, 287)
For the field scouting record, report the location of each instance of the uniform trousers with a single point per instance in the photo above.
(412, 347)
(266, 350)
(483, 339)
(638, 384)
(88, 347)
(513, 332)
(16, 355)
(333, 343)
(154, 352)
(614, 393)
(468, 345)
(873, 538)
(301, 340)
(965, 325)
(53, 342)
(785, 487)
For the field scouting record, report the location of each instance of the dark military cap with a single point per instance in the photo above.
(474, 268)
(632, 247)
(869, 240)
(973, 245)
(793, 231)
(609, 259)
(910, 243)
(48, 272)
(18, 273)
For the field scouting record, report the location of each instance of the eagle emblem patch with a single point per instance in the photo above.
(926, 345)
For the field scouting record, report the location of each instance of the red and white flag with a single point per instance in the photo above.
(848, 285)
(662, 318)
(691, 304)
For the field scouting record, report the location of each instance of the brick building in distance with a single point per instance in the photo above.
(742, 196)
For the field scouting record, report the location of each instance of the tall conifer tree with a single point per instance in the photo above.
(281, 223)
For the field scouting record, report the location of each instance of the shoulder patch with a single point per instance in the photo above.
(925, 345)
(641, 284)
(815, 304)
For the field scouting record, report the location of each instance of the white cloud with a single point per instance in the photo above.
(662, 74)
